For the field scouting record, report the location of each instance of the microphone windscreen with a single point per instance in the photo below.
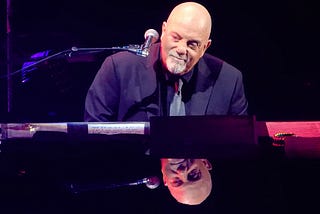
(153, 182)
(153, 33)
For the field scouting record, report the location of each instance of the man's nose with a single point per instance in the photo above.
(184, 166)
(182, 47)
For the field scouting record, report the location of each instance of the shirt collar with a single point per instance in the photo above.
(171, 77)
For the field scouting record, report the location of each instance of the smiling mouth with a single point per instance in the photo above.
(178, 58)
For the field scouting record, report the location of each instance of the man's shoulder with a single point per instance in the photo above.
(125, 62)
(210, 65)
(215, 66)
(125, 56)
(211, 58)
(129, 57)
(216, 62)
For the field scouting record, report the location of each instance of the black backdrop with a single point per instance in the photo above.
(274, 43)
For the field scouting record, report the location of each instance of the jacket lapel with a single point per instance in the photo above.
(207, 72)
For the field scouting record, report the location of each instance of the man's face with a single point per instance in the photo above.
(181, 47)
(188, 180)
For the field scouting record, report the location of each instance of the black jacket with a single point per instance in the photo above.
(126, 88)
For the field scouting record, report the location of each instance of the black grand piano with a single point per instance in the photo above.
(258, 166)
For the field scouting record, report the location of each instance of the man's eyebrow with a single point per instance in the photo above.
(188, 40)
(194, 41)
(176, 184)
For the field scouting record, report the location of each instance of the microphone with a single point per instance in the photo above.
(151, 36)
(151, 182)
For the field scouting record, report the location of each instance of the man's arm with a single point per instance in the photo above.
(239, 103)
(102, 99)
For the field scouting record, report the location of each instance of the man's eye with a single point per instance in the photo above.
(176, 182)
(181, 167)
(193, 45)
(194, 175)
(175, 38)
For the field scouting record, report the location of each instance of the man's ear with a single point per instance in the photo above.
(208, 43)
(164, 179)
(164, 27)
(206, 46)
(207, 164)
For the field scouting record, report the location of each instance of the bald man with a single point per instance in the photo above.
(177, 78)
(129, 87)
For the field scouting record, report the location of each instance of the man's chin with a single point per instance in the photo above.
(177, 71)
(176, 68)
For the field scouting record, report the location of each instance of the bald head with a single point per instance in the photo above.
(192, 14)
(188, 180)
(194, 193)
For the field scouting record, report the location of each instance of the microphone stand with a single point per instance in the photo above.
(151, 182)
(136, 49)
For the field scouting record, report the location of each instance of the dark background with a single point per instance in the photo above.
(274, 43)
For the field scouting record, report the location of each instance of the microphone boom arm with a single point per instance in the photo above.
(136, 49)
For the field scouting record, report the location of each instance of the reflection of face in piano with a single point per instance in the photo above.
(188, 180)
